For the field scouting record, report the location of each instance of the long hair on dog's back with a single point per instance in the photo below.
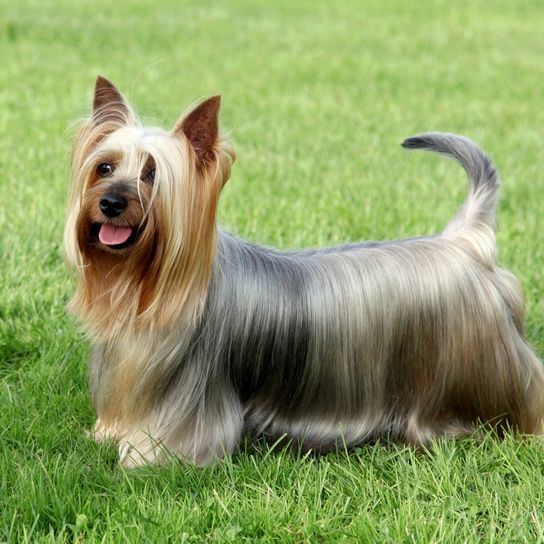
(199, 336)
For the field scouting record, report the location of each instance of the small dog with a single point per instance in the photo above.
(199, 336)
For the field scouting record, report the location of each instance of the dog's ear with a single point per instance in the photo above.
(201, 127)
(109, 104)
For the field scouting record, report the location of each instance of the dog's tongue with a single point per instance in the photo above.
(111, 235)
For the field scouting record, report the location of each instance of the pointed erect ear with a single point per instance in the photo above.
(201, 127)
(109, 104)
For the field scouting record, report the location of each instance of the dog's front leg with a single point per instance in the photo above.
(211, 431)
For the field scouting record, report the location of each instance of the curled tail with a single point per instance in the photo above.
(475, 221)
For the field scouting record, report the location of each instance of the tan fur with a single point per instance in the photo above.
(139, 291)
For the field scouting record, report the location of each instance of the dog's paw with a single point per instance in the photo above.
(102, 432)
(139, 449)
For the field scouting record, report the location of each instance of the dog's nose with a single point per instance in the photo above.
(112, 204)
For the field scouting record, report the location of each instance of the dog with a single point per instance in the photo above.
(199, 337)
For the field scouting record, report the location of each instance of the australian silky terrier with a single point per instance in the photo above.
(199, 336)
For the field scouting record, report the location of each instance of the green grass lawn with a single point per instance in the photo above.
(318, 97)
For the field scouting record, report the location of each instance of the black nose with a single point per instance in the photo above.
(112, 204)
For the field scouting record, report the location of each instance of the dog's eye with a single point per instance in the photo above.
(149, 175)
(104, 169)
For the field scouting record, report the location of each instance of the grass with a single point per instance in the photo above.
(318, 96)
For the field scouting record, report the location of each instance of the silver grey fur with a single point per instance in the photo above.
(409, 339)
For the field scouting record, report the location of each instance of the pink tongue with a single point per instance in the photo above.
(111, 235)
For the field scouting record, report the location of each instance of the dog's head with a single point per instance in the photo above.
(141, 225)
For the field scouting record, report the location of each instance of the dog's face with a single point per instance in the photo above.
(134, 178)
(143, 202)
(119, 203)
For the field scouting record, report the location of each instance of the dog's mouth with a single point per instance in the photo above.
(115, 236)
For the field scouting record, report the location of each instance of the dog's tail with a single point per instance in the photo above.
(475, 221)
